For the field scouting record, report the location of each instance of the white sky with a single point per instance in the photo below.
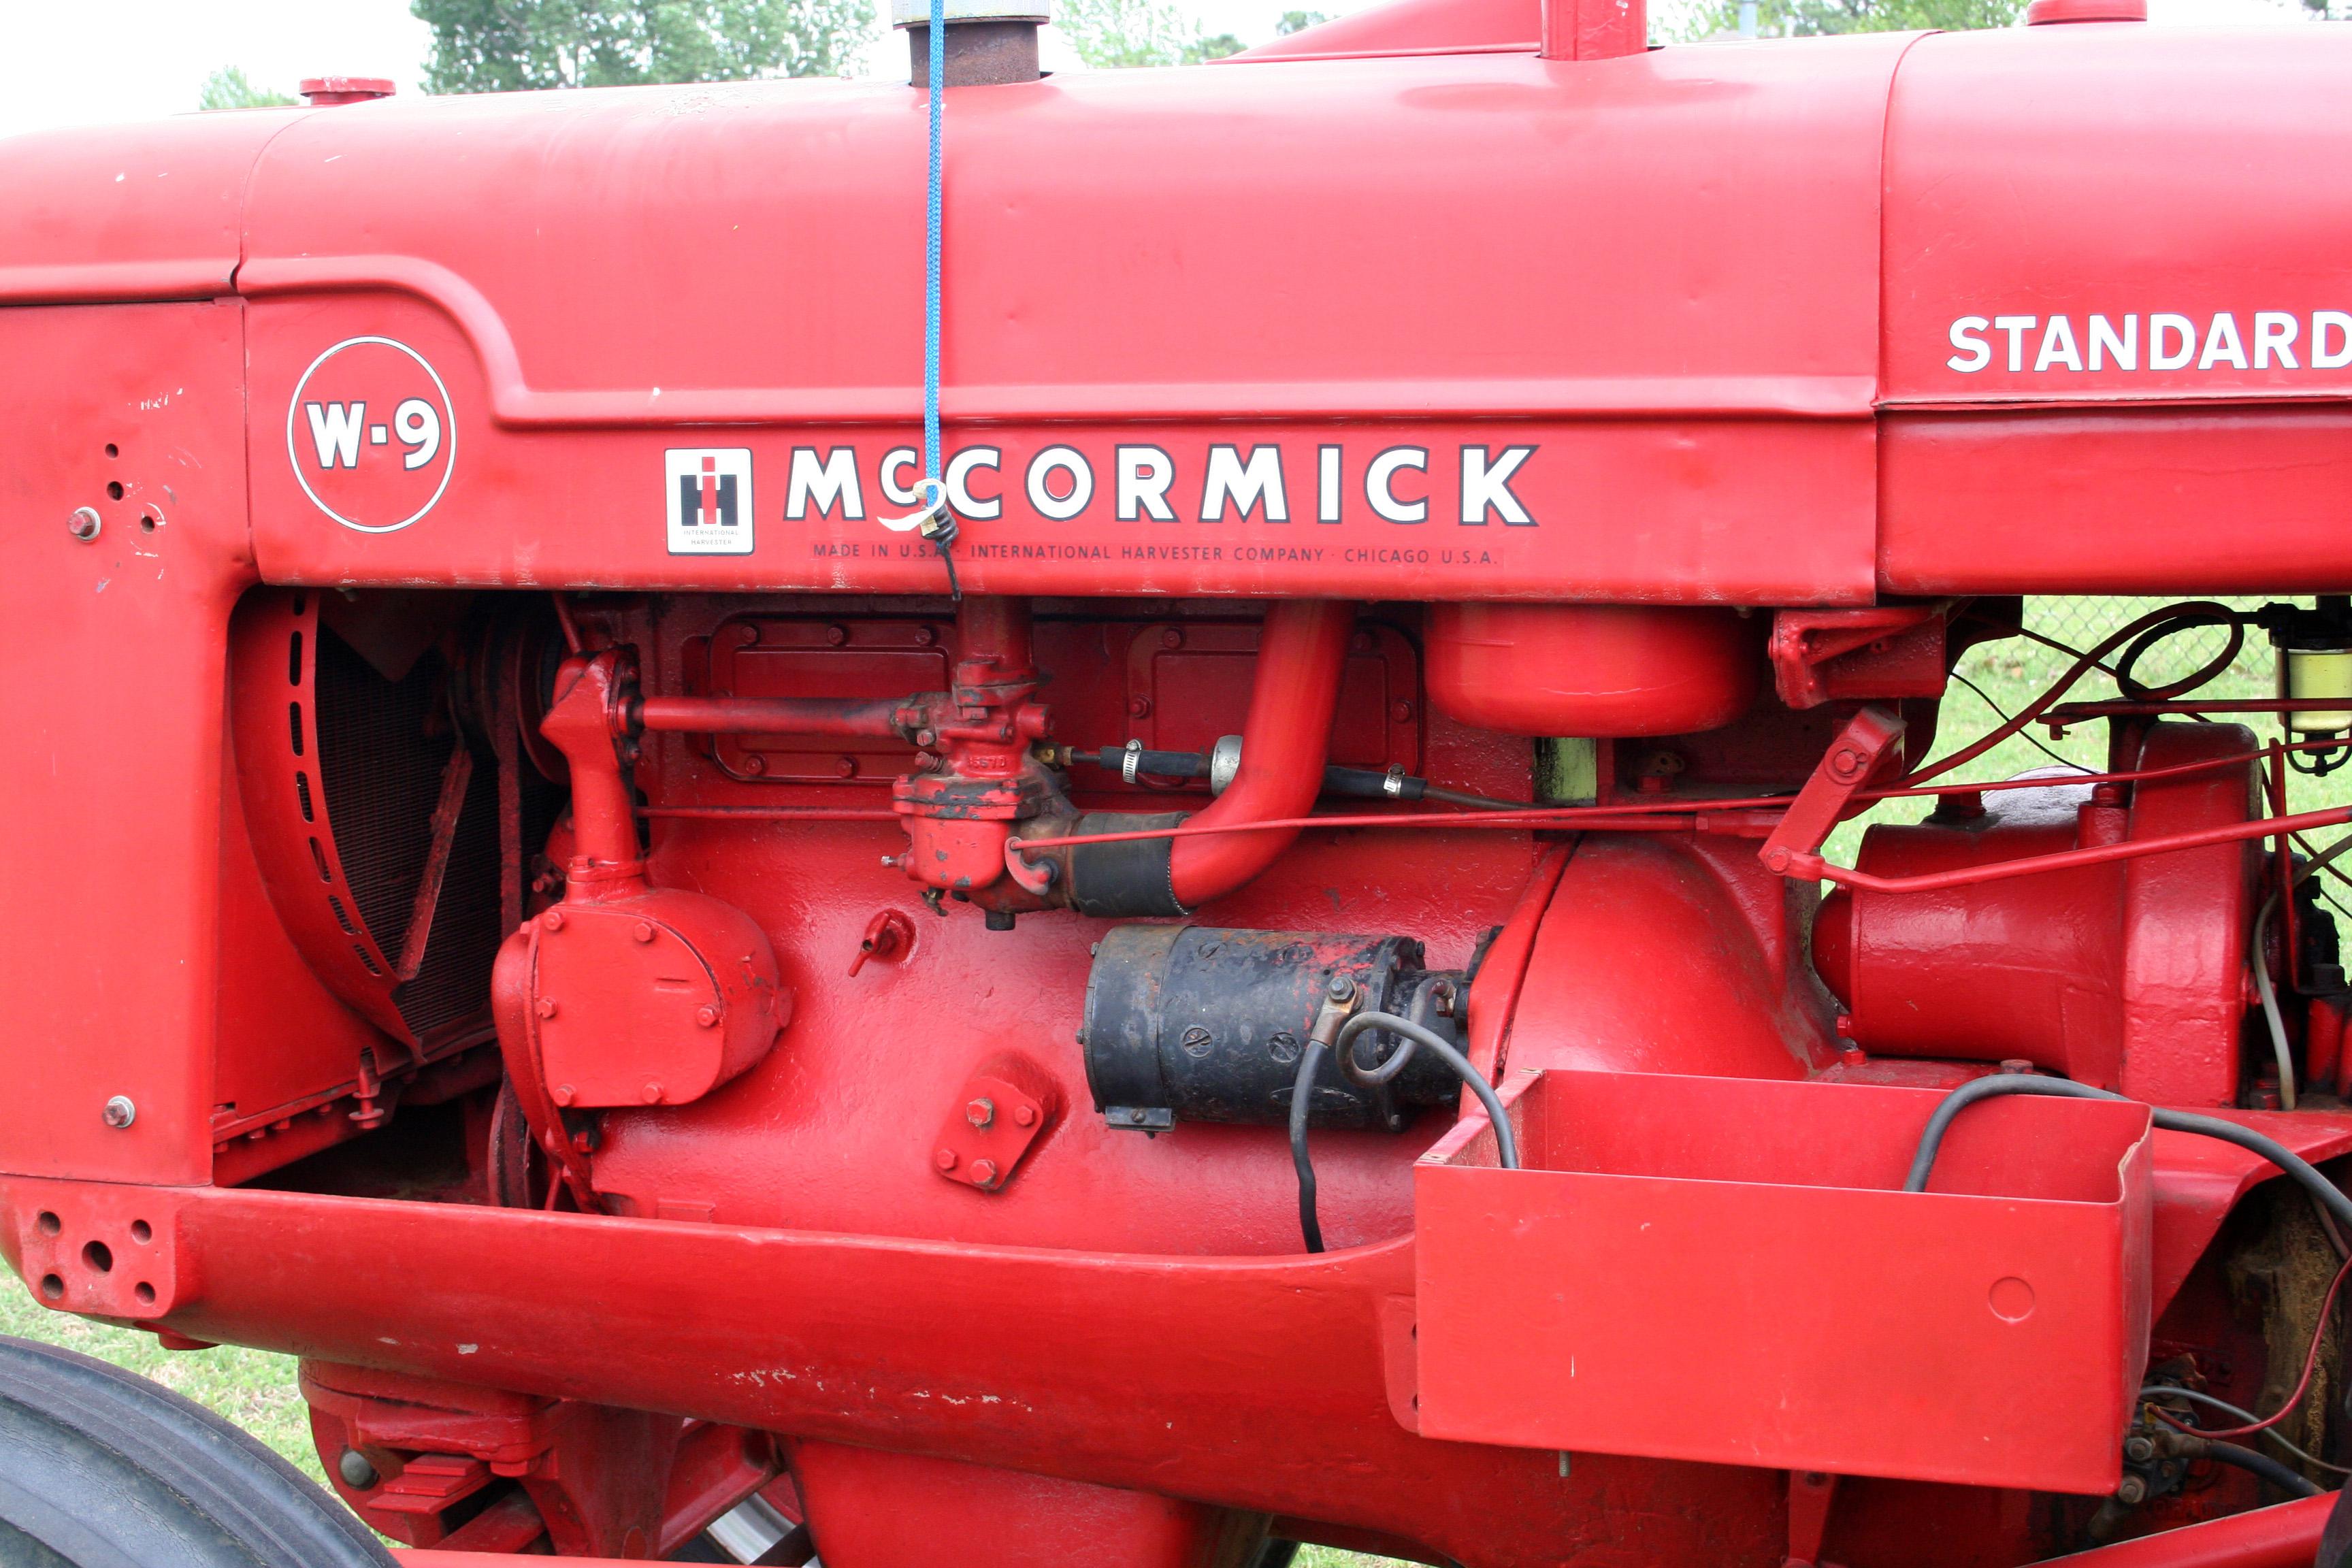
(74, 61)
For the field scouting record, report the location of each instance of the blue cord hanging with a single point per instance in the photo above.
(941, 528)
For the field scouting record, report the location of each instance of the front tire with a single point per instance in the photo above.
(101, 1468)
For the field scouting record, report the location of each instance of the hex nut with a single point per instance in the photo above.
(85, 523)
(120, 1112)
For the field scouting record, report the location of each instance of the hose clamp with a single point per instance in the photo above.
(1392, 784)
(1129, 760)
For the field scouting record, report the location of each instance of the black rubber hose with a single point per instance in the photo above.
(2246, 1138)
(1302, 1095)
(2263, 1465)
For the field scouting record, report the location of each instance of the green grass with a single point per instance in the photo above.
(252, 1388)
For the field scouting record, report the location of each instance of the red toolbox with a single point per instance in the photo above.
(1727, 1270)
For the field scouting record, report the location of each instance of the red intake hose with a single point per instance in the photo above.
(1300, 655)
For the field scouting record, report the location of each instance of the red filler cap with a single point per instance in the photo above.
(326, 91)
(2043, 12)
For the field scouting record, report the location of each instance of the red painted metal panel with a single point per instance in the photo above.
(2284, 1535)
(1726, 1269)
(128, 212)
(117, 681)
(2086, 174)
(1697, 402)
(2242, 501)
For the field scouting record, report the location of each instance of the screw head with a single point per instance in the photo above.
(1024, 1116)
(846, 767)
(2133, 1489)
(565, 1094)
(945, 1159)
(644, 931)
(983, 1173)
(1139, 707)
(357, 1473)
(755, 764)
(546, 1007)
(980, 1111)
(1171, 638)
(2140, 1448)
(552, 920)
(1340, 988)
(651, 1093)
(706, 1015)
(120, 1112)
(84, 523)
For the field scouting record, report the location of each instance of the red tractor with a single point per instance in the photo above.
(1225, 947)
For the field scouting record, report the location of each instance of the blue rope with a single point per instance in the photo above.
(938, 76)
(944, 531)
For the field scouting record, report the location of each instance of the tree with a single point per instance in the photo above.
(227, 88)
(506, 46)
(1299, 22)
(1112, 34)
(1809, 18)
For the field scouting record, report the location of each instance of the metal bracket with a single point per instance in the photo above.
(1864, 743)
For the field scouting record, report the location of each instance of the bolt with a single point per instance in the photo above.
(925, 637)
(889, 862)
(926, 737)
(1845, 1025)
(1776, 859)
(651, 1092)
(2140, 1448)
(644, 932)
(1401, 712)
(565, 1094)
(980, 1111)
(1139, 707)
(1171, 638)
(1845, 763)
(1024, 1116)
(120, 1112)
(2133, 1490)
(546, 1008)
(835, 635)
(84, 523)
(945, 1159)
(552, 920)
(846, 767)
(983, 1173)
(1340, 988)
(2015, 1065)
(706, 1015)
(357, 1473)
(755, 764)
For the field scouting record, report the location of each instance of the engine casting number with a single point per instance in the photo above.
(370, 434)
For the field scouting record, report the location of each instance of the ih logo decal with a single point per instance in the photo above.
(370, 434)
(709, 500)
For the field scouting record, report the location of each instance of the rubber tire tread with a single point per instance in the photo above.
(104, 1468)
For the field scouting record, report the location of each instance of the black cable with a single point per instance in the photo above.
(1302, 1091)
(2263, 1465)
(2246, 1138)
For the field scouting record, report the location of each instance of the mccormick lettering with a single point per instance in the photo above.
(1263, 483)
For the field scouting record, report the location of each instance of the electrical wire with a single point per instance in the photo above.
(2263, 1465)
(2154, 619)
(2024, 733)
(2301, 1169)
(1415, 1036)
(2162, 1391)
